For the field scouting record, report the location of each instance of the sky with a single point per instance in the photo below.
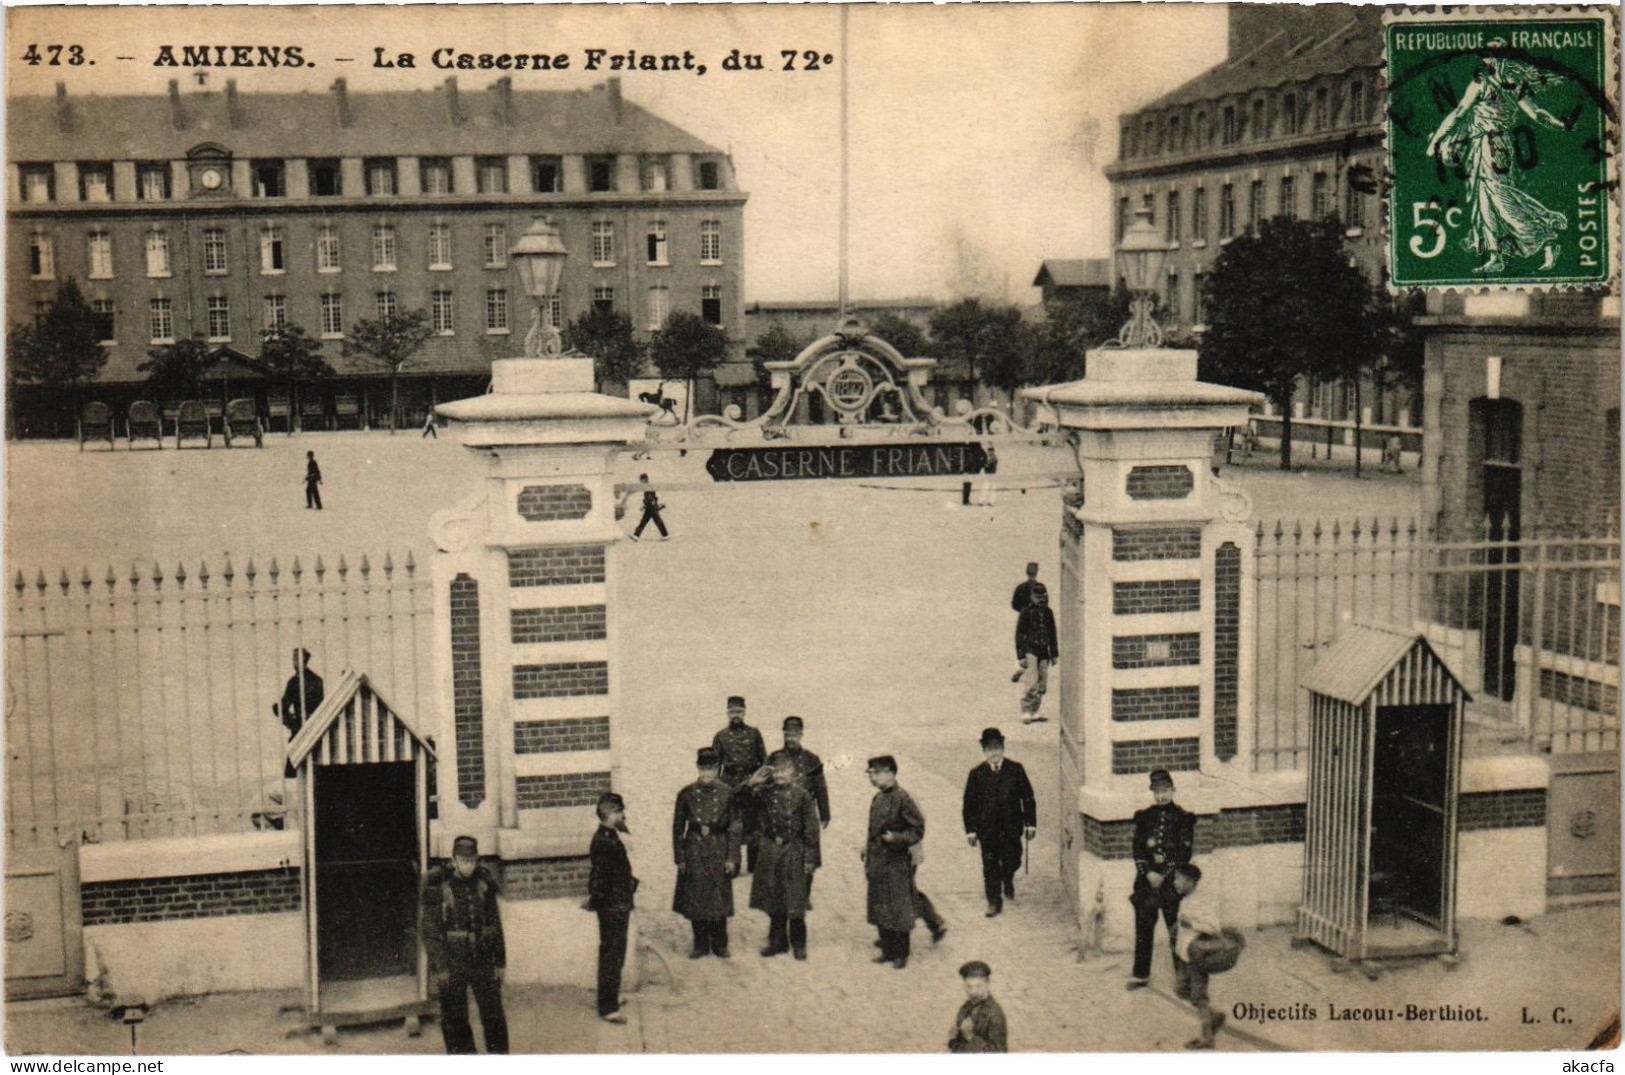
(977, 132)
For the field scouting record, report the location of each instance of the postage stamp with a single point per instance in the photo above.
(1501, 127)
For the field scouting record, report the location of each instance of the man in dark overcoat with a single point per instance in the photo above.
(809, 774)
(461, 928)
(742, 752)
(895, 825)
(1024, 592)
(300, 698)
(788, 854)
(610, 888)
(705, 844)
(1036, 648)
(1164, 836)
(999, 810)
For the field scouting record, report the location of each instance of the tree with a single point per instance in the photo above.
(606, 336)
(903, 334)
(390, 341)
(175, 371)
(291, 354)
(988, 340)
(777, 344)
(686, 347)
(1283, 303)
(1071, 326)
(61, 350)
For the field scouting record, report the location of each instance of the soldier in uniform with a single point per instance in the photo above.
(999, 810)
(1164, 835)
(610, 887)
(789, 853)
(742, 752)
(462, 933)
(705, 843)
(809, 775)
(895, 825)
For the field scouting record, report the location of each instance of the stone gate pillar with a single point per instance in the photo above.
(525, 628)
(1155, 600)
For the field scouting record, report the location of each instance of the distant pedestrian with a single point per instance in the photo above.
(300, 698)
(705, 844)
(1024, 592)
(313, 481)
(979, 1027)
(651, 511)
(999, 811)
(1391, 457)
(789, 853)
(895, 825)
(462, 933)
(610, 889)
(984, 488)
(742, 753)
(428, 426)
(1164, 836)
(1036, 648)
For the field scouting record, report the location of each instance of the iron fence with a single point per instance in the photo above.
(141, 704)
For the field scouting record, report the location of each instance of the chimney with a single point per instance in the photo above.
(451, 102)
(177, 120)
(64, 117)
(341, 98)
(613, 88)
(503, 87)
(234, 114)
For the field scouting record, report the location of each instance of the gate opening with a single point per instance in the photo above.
(366, 871)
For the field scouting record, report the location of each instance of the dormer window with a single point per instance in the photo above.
(710, 176)
(325, 179)
(270, 179)
(600, 174)
(381, 177)
(655, 175)
(96, 182)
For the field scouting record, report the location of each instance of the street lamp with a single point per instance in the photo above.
(1140, 256)
(539, 255)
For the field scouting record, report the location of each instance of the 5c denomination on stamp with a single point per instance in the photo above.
(1501, 133)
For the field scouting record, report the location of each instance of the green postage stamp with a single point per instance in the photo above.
(1503, 133)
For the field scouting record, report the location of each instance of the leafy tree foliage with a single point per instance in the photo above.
(686, 347)
(1071, 326)
(60, 351)
(988, 340)
(175, 371)
(903, 334)
(777, 344)
(292, 355)
(607, 337)
(391, 342)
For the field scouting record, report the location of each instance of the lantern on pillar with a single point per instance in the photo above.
(539, 255)
(1140, 257)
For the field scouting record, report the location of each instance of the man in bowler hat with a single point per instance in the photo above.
(610, 886)
(705, 845)
(999, 810)
(742, 752)
(461, 928)
(1164, 835)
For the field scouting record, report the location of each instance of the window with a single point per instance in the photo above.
(1198, 313)
(102, 317)
(1171, 221)
(152, 182)
(496, 310)
(101, 255)
(1122, 218)
(1227, 211)
(711, 303)
(272, 250)
(1255, 127)
(491, 175)
(1230, 130)
(1289, 114)
(387, 305)
(1176, 135)
(1289, 197)
(1354, 217)
(600, 174)
(1357, 102)
(553, 309)
(440, 312)
(1323, 109)
(656, 176)
(325, 179)
(214, 251)
(219, 318)
(327, 248)
(332, 317)
(710, 242)
(276, 313)
(1199, 216)
(603, 299)
(161, 321)
(659, 307)
(603, 242)
(383, 247)
(1170, 296)
(38, 182)
(436, 175)
(1255, 204)
(439, 246)
(710, 177)
(1201, 129)
(380, 177)
(1320, 196)
(270, 179)
(96, 182)
(657, 242)
(496, 246)
(1150, 143)
(547, 174)
(41, 257)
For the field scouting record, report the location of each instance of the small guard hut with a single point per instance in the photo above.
(363, 773)
(1385, 724)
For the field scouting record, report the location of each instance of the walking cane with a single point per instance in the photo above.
(1026, 854)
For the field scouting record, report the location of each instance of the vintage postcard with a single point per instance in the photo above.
(832, 529)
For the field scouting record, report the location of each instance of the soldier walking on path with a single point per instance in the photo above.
(313, 482)
(999, 811)
(1164, 835)
(461, 927)
(742, 752)
(790, 853)
(705, 843)
(979, 1027)
(610, 888)
(651, 511)
(1036, 649)
(895, 825)
(1024, 592)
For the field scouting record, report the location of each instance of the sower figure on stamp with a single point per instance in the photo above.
(705, 843)
(789, 854)
(610, 888)
(979, 1027)
(1164, 834)
(742, 752)
(461, 927)
(999, 810)
(895, 825)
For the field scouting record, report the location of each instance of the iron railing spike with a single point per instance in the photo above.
(1297, 530)
(411, 565)
(389, 565)
(1337, 530)
(321, 568)
(1278, 531)
(1317, 528)
(228, 573)
(249, 572)
(135, 575)
(111, 580)
(203, 573)
(180, 574)
(298, 570)
(84, 578)
(39, 581)
(1354, 530)
(21, 584)
(366, 567)
(63, 582)
(157, 574)
(344, 568)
